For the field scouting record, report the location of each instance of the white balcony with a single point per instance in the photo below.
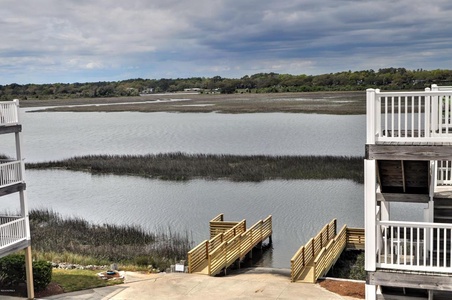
(13, 231)
(10, 173)
(414, 246)
(9, 113)
(409, 117)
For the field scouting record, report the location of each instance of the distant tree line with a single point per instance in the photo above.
(387, 79)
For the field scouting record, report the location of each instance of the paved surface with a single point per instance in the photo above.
(256, 283)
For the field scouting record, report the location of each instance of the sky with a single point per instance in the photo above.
(67, 41)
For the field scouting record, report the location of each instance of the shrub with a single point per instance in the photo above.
(42, 274)
(357, 271)
(12, 271)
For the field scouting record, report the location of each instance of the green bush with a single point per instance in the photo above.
(12, 271)
(357, 271)
(42, 274)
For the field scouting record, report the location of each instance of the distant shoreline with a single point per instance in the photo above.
(340, 103)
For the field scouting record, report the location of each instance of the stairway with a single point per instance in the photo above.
(403, 176)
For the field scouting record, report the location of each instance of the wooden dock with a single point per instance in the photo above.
(230, 242)
(321, 252)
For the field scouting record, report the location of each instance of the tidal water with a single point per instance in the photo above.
(299, 207)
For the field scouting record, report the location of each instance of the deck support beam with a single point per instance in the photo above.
(415, 281)
(408, 152)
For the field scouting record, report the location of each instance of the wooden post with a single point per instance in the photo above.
(335, 227)
(303, 256)
(313, 247)
(29, 273)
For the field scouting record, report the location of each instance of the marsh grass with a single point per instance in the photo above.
(74, 240)
(181, 166)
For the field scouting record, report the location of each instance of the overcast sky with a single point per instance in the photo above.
(48, 41)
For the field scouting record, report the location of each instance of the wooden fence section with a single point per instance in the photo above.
(355, 238)
(218, 225)
(305, 256)
(308, 264)
(329, 254)
(198, 256)
(236, 248)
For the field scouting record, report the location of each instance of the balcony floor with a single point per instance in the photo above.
(443, 192)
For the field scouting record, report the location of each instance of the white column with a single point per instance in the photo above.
(370, 223)
(385, 211)
(370, 211)
(370, 115)
(371, 292)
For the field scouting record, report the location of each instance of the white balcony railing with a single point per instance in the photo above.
(9, 113)
(12, 230)
(414, 246)
(10, 173)
(424, 116)
(444, 173)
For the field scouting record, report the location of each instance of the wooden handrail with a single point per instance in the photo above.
(329, 254)
(308, 252)
(238, 246)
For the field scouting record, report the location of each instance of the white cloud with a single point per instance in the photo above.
(109, 39)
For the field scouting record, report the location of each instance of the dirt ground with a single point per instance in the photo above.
(344, 288)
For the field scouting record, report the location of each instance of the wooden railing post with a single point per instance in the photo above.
(207, 249)
(313, 246)
(303, 257)
(335, 227)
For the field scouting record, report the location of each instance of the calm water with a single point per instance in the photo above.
(51, 136)
(299, 207)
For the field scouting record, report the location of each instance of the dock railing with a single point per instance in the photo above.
(212, 256)
(307, 253)
(218, 225)
(9, 112)
(236, 248)
(198, 256)
(315, 259)
(355, 238)
(329, 254)
(424, 116)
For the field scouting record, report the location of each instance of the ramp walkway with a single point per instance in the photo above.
(315, 259)
(229, 242)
